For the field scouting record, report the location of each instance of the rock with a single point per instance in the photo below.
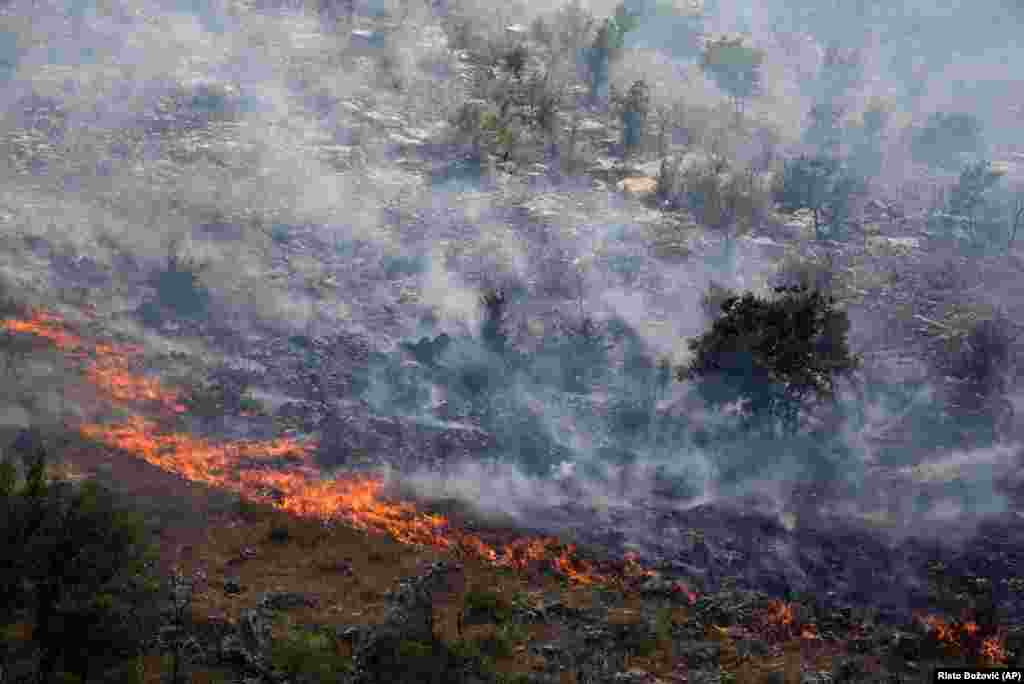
(232, 585)
(704, 677)
(255, 629)
(659, 586)
(905, 646)
(285, 600)
(637, 186)
(363, 39)
(698, 654)
(878, 244)
(409, 616)
(815, 678)
(756, 648)
(234, 653)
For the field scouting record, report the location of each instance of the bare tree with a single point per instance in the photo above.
(1018, 218)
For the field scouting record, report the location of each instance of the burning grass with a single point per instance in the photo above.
(322, 547)
(292, 483)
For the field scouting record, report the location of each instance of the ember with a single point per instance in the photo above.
(963, 638)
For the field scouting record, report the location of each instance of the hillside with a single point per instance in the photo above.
(378, 312)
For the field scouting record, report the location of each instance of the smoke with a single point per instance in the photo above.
(260, 146)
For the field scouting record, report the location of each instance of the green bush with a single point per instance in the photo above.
(401, 661)
(76, 565)
(249, 404)
(486, 605)
(946, 138)
(179, 290)
(309, 656)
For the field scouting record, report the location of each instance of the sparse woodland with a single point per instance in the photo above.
(587, 263)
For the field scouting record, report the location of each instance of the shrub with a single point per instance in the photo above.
(401, 661)
(946, 138)
(310, 656)
(969, 205)
(723, 199)
(81, 568)
(823, 185)
(735, 67)
(178, 290)
(634, 107)
(486, 605)
(974, 344)
(249, 404)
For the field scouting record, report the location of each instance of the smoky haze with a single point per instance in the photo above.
(234, 135)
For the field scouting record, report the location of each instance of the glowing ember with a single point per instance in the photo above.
(964, 637)
(993, 651)
(780, 613)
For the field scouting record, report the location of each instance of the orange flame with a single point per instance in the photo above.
(282, 472)
(780, 613)
(45, 325)
(964, 637)
(993, 651)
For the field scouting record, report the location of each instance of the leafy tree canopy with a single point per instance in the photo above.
(735, 67)
(773, 354)
(74, 563)
(946, 138)
(821, 184)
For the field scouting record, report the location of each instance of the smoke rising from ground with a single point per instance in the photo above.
(131, 129)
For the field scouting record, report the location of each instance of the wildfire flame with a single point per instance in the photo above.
(964, 637)
(780, 619)
(780, 613)
(281, 471)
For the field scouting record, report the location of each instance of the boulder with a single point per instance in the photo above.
(637, 186)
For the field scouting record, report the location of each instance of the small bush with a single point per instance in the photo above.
(401, 661)
(712, 300)
(309, 656)
(974, 344)
(486, 605)
(248, 404)
(179, 290)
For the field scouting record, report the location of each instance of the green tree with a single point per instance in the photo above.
(821, 184)
(866, 156)
(1018, 218)
(841, 69)
(774, 354)
(635, 108)
(946, 138)
(824, 129)
(492, 332)
(606, 48)
(735, 67)
(85, 567)
(969, 205)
